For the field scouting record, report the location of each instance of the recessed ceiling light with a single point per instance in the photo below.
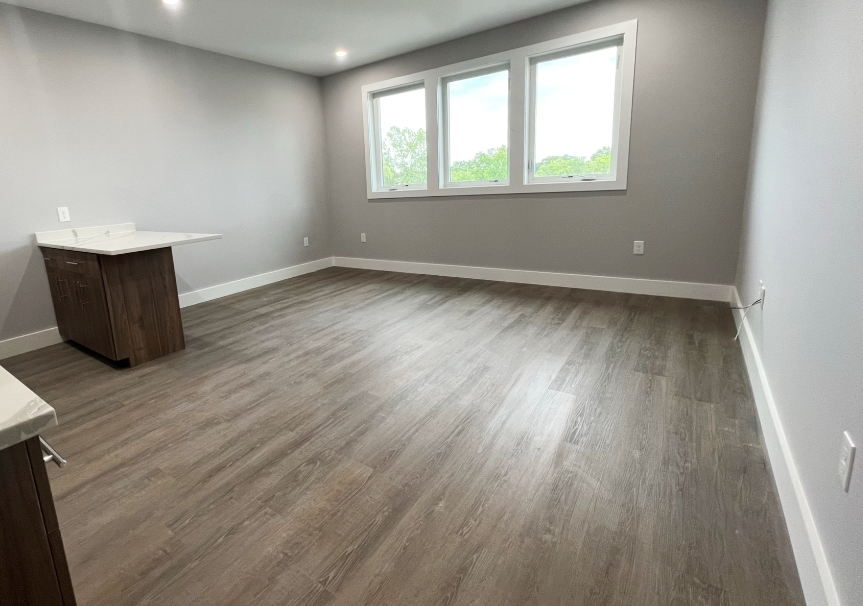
(171, 2)
(341, 53)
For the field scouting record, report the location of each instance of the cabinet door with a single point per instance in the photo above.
(27, 573)
(62, 294)
(94, 325)
(49, 519)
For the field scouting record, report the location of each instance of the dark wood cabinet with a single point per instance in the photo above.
(82, 311)
(33, 567)
(124, 307)
(95, 322)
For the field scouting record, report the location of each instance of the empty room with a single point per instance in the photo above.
(470, 303)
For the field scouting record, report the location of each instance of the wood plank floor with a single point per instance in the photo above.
(354, 437)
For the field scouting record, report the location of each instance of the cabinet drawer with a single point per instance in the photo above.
(68, 260)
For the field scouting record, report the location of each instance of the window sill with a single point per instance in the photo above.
(525, 188)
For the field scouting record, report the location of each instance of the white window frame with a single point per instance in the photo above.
(520, 135)
(375, 157)
(531, 111)
(445, 130)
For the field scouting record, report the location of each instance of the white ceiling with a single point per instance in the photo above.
(302, 34)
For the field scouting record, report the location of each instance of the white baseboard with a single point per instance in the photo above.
(51, 336)
(815, 576)
(638, 286)
(687, 290)
(814, 571)
(24, 343)
(229, 288)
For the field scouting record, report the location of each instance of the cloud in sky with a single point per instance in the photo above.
(575, 103)
(478, 114)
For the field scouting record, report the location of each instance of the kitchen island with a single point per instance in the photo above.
(114, 289)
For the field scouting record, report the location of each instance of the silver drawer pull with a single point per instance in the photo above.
(50, 454)
(60, 288)
(80, 292)
(71, 263)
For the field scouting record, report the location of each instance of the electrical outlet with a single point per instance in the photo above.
(362, 237)
(306, 241)
(846, 461)
(638, 247)
(762, 293)
(63, 214)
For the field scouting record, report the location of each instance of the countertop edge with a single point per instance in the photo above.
(133, 249)
(9, 436)
(26, 415)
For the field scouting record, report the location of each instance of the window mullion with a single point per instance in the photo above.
(561, 135)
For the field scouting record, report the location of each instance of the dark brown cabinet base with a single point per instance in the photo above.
(33, 568)
(124, 307)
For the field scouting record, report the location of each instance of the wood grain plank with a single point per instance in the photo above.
(369, 438)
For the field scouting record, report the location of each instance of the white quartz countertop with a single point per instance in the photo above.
(116, 239)
(23, 414)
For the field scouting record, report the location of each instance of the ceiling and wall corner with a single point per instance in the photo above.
(300, 35)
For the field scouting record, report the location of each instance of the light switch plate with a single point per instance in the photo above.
(63, 214)
(362, 237)
(306, 241)
(846, 461)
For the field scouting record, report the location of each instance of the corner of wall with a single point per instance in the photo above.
(812, 566)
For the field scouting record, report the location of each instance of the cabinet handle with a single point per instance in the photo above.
(71, 263)
(49, 454)
(80, 292)
(60, 288)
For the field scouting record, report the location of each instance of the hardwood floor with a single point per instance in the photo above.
(356, 437)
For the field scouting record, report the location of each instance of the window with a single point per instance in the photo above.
(573, 99)
(400, 139)
(477, 127)
(550, 117)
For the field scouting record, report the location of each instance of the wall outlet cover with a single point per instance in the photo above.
(63, 214)
(638, 247)
(362, 237)
(306, 241)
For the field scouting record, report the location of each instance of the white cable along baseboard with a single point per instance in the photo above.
(640, 286)
(815, 575)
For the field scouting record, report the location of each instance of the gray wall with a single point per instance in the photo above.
(802, 236)
(121, 127)
(695, 87)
